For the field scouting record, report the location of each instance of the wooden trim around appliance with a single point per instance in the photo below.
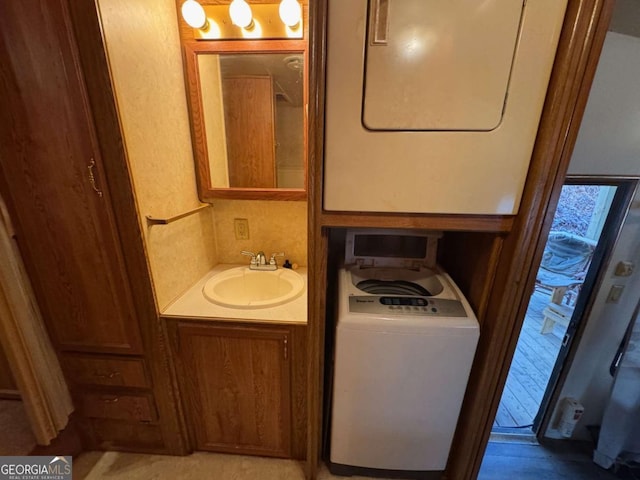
(466, 223)
(318, 242)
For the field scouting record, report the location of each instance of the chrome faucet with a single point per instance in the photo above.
(259, 260)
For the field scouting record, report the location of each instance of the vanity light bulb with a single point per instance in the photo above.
(194, 14)
(290, 12)
(240, 13)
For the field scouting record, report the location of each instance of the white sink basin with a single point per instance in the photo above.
(241, 287)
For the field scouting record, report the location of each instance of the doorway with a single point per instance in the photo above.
(585, 226)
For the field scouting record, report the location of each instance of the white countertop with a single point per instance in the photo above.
(193, 304)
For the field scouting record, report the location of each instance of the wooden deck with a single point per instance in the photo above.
(531, 367)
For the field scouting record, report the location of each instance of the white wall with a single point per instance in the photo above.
(608, 144)
(609, 138)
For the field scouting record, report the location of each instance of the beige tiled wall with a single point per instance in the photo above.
(273, 227)
(146, 66)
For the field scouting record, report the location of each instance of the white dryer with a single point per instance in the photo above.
(405, 342)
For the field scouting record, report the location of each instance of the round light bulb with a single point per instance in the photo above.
(240, 13)
(290, 12)
(194, 14)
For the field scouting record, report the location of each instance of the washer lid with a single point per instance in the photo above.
(391, 248)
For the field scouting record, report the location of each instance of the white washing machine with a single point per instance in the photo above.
(405, 342)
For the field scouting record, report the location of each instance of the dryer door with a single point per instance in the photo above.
(439, 65)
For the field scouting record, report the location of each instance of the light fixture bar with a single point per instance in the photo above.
(267, 24)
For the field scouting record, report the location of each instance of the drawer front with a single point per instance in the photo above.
(106, 434)
(138, 408)
(115, 372)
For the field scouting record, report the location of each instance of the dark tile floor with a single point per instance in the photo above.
(556, 461)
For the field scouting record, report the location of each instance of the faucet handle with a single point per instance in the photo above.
(272, 260)
(250, 254)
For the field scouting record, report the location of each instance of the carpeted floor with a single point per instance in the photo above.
(503, 461)
(16, 438)
(130, 466)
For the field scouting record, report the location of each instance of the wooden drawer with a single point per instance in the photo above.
(137, 408)
(105, 434)
(102, 370)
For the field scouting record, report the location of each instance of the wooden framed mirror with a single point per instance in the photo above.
(248, 106)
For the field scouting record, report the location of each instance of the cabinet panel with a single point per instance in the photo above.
(53, 174)
(238, 388)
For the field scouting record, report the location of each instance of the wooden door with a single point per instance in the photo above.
(249, 121)
(52, 176)
(237, 388)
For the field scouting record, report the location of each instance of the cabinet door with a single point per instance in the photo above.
(237, 388)
(51, 171)
(249, 122)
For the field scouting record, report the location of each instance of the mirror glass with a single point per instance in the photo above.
(253, 113)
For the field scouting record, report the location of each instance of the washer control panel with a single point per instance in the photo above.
(406, 306)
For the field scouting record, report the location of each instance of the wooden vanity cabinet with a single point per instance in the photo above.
(242, 387)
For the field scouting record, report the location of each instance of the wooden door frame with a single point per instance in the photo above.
(581, 41)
